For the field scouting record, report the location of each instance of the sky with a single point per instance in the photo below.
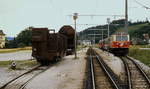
(16, 15)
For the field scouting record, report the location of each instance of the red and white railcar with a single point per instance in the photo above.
(118, 44)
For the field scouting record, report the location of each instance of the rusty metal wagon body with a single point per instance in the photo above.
(69, 32)
(46, 46)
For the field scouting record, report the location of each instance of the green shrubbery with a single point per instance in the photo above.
(141, 55)
(23, 39)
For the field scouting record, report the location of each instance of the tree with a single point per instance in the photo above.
(24, 37)
(11, 43)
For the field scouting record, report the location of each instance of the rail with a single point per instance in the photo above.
(92, 72)
(26, 82)
(139, 67)
(129, 71)
(108, 73)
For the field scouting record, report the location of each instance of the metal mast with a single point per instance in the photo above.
(126, 16)
(75, 16)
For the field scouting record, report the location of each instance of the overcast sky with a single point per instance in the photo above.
(16, 15)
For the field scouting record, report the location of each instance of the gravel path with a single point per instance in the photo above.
(20, 55)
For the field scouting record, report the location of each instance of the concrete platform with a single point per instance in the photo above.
(67, 74)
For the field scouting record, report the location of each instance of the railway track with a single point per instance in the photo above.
(136, 77)
(21, 81)
(101, 77)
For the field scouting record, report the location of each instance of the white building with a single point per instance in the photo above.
(2, 39)
(86, 42)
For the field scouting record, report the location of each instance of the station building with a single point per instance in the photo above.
(2, 39)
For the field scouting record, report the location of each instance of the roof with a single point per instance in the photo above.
(1, 32)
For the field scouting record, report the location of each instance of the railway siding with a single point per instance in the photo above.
(104, 78)
(138, 78)
(144, 67)
(8, 74)
(65, 74)
(134, 78)
(20, 81)
(102, 81)
(114, 63)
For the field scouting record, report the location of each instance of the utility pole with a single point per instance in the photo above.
(108, 21)
(82, 40)
(126, 16)
(102, 35)
(75, 16)
(94, 37)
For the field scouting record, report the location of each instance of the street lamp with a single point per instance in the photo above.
(75, 16)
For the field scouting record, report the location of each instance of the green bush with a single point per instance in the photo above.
(21, 45)
(141, 55)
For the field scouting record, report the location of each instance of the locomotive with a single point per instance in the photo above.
(48, 46)
(118, 44)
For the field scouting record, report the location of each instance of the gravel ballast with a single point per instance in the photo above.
(117, 65)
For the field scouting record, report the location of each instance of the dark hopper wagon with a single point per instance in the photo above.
(48, 46)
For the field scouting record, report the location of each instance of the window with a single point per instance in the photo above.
(122, 38)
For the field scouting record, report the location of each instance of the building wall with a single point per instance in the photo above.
(2, 41)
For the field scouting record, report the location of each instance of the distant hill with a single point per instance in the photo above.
(140, 34)
(9, 38)
(136, 30)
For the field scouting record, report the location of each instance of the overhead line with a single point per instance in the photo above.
(144, 6)
(92, 15)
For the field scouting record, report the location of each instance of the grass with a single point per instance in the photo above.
(80, 47)
(140, 46)
(20, 64)
(14, 50)
(144, 46)
(134, 27)
(141, 55)
(96, 45)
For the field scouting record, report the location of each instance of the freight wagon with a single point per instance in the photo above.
(48, 46)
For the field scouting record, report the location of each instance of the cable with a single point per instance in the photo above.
(144, 6)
